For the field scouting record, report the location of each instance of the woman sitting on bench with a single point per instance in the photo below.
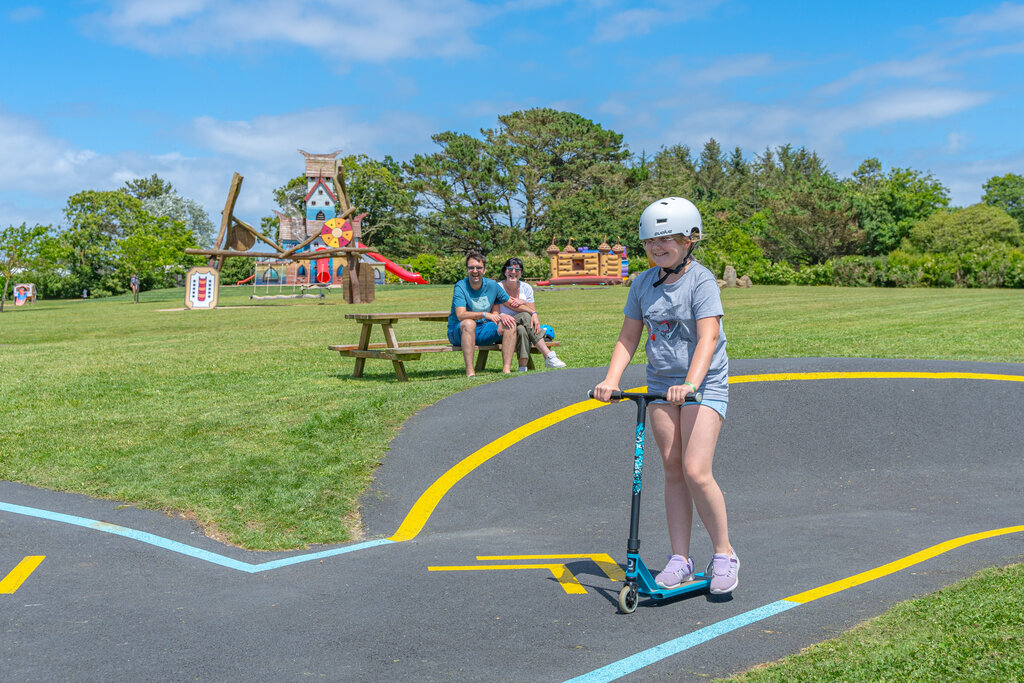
(525, 315)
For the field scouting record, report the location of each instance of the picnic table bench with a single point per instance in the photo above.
(398, 352)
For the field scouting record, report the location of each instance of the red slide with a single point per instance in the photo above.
(396, 269)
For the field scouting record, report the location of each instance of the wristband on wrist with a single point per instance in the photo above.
(691, 385)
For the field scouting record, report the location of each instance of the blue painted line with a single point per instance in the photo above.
(658, 652)
(182, 548)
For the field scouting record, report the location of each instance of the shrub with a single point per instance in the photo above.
(425, 265)
(768, 273)
(969, 228)
(638, 264)
(449, 269)
(735, 248)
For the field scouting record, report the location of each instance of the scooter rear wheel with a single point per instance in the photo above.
(628, 598)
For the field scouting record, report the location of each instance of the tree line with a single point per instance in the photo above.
(542, 176)
(142, 228)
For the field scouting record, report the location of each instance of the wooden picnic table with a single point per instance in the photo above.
(392, 349)
(400, 351)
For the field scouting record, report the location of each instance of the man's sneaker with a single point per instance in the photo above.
(725, 573)
(552, 361)
(678, 571)
(523, 368)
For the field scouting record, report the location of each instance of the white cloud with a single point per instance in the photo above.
(733, 67)
(629, 24)
(1008, 16)
(897, 107)
(633, 23)
(33, 158)
(339, 30)
(39, 169)
(26, 13)
(274, 139)
(930, 67)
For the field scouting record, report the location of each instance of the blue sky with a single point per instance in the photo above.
(95, 92)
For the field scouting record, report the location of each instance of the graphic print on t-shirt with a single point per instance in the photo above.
(478, 303)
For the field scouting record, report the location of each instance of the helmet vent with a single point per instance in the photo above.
(662, 220)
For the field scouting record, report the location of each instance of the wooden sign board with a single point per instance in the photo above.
(366, 293)
(201, 286)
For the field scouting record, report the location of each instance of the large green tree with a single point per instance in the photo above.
(812, 221)
(463, 200)
(1007, 193)
(711, 176)
(672, 172)
(544, 155)
(19, 251)
(161, 199)
(889, 204)
(377, 189)
(148, 188)
(96, 220)
(154, 249)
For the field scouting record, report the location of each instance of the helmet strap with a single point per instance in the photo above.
(665, 272)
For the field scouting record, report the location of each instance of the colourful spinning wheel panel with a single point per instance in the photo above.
(336, 232)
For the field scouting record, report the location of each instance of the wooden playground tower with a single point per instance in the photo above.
(236, 237)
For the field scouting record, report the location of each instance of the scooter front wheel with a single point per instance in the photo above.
(628, 598)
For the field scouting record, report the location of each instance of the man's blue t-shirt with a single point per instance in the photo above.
(475, 300)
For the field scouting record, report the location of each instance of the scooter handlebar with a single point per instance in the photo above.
(618, 395)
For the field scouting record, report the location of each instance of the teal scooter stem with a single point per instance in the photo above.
(639, 580)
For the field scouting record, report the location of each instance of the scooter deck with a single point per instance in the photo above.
(698, 583)
(646, 586)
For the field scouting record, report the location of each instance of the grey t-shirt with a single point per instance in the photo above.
(671, 312)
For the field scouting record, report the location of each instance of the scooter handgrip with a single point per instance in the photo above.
(616, 395)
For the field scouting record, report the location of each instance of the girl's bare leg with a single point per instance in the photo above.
(687, 439)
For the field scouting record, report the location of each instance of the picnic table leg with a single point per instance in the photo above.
(481, 360)
(392, 341)
(364, 343)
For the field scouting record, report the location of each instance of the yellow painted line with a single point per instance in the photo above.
(892, 567)
(604, 561)
(17, 576)
(565, 578)
(791, 376)
(429, 500)
(424, 506)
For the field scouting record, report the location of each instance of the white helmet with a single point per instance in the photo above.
(671, 216)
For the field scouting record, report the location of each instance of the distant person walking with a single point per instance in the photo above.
(134, 285)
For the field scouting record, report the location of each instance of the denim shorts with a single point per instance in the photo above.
(487, 333)
(717, 406)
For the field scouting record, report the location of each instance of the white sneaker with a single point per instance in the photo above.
(523, 368)
(552, 361)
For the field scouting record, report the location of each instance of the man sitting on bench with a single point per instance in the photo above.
(473, 320)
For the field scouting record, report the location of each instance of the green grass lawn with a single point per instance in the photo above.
(970, 631)
(241, 419)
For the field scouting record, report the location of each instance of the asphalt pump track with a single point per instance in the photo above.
(496, 531)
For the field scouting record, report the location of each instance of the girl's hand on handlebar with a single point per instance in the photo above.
(603, 391)
(676, 395)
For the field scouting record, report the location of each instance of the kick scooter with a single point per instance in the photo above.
(639, 580)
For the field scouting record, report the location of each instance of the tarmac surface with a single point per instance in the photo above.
(488, 524)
